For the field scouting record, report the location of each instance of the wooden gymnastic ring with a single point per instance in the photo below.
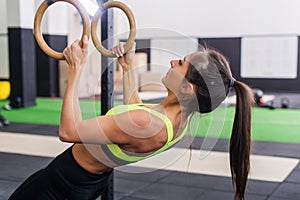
(132, 24)
(37, 26)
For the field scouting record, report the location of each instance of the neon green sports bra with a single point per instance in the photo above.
(121, 157)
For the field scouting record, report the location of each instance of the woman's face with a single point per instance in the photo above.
(174, 78)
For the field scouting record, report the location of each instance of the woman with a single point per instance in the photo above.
(132, 132)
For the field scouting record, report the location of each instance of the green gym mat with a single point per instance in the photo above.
(279, 125)
(47, 111)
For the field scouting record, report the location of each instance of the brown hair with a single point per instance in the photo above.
(209, 71)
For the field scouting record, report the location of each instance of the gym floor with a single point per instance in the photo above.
(275, 174)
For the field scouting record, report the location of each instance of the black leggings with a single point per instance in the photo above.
(62, 179)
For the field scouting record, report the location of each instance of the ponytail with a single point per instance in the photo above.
(206, 68)
(240, 141)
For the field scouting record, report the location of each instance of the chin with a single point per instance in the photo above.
(163, 81)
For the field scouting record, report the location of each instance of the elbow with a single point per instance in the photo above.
(65, 135)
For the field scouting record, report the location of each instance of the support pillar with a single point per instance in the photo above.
(55, 32)
(107, 80)
(22, 71)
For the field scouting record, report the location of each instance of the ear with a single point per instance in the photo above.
(187, 88)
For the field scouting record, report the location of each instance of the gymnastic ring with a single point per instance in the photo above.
(94, 24)
(37, 26)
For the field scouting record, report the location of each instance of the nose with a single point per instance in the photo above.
(172, 63)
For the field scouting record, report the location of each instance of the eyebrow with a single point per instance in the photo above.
(183, 59)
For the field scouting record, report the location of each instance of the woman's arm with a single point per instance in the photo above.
(103, 129)
(72, 127)
(71, 113)
(130, 90)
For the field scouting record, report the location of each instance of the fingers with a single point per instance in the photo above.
(118, 50)
(85, 42)
(74, 53)
(67, 50)
(132, 48)
(121, 48)
(78, 44)
(67, 53)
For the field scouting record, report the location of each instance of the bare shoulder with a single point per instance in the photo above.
(145, 131)
(134, 124)
(137, 119)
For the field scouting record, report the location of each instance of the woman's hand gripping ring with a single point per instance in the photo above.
(132, 25)
(37, 26)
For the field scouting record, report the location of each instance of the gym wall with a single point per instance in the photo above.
(231, 48)
(4, 72)
(223, 25)
(55, 32)
(21, 51)
(177, 25)
(215, 18)
(90, 79)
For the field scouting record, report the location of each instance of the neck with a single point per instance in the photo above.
(172, 106)
(177, 113)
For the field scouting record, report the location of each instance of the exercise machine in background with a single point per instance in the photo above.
(262, 102)
(4, 94)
